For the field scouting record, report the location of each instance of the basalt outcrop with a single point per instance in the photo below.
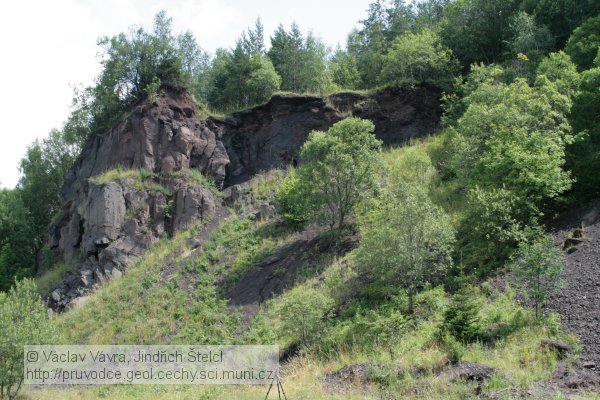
(109, 220)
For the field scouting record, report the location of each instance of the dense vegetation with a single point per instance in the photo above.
(498, 47)
(520, 141)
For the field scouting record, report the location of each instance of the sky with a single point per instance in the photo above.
(48, 46)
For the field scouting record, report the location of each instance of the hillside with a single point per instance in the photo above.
(226, 267)
(412, 215)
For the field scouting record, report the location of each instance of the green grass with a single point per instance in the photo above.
(52, 277)
(264, 185)
(169, 296)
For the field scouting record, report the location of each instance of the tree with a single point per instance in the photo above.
(477, 30)
(527, 37)
(537, 267)
(239, 79)
(253, 40)
(42, 172)
(340, 168)
(23, 321)
(299, 61)
(558, 70)
(385, 21)
(461, 318)
(584, 43)
(344, 70)
(561, 16)
(302, 314)
(508, 150)
(584, 154)
(18, 239)
(494, 222)
(406, 240)
(419, 58)
(513, 136)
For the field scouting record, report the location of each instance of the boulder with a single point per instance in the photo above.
(192, 204)
(104, 216)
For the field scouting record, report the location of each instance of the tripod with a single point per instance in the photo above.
(280, 390)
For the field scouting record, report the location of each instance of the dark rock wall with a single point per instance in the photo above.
(104, 227)
(271, 135)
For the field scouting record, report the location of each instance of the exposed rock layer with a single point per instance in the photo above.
(107, 223)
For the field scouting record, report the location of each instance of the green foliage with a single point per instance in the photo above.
(340, 168)
(240, 79)
(514, 137)
(527, 37)
(406, 240)
(18, 242)
(495, 221)
(477, 30)
(584, 43)
(419, 58)
(561, 16)
(413, 167)
(559, 70)
(130, 64)
(299, 61)
(23, 321)
(584, 154)
(344, 70)
(303, 314)
(368, 328)
(462, 318)
(537, 267)
(291, 199)
(455, 350)
(385, 21)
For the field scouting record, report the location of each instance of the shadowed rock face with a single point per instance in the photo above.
(106, 226)
(271, 135)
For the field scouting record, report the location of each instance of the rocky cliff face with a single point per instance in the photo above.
(135, 183)
(272, 134)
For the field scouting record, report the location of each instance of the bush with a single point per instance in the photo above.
(455, 350)
(462, 320)
(302, 313)
(537, 267)
(23, 321)
(291, 200)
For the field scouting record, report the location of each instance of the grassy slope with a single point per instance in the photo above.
(185, 307)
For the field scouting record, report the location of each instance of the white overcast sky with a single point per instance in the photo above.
(49, 45)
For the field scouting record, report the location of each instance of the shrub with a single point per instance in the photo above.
(537, 267)
(462, 320)
(302, 313)
(23, 321)
(291, 200)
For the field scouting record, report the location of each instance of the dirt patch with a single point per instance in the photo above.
(280, 270)
(578, 303)
(352, 376)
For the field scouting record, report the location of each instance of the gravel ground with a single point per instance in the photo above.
(578, 302)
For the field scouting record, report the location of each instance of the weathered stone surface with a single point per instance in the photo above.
(192, 204)
(272, 134)
(104, 216)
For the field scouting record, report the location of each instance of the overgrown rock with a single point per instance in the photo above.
(469, 371)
